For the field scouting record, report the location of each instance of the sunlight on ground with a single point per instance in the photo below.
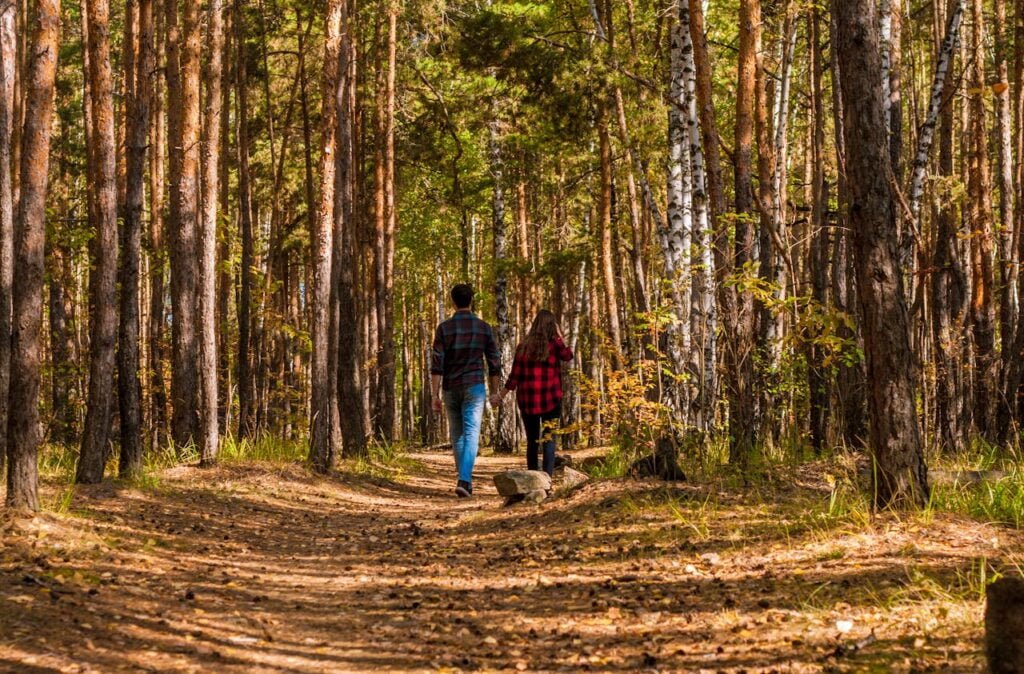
(261, 566)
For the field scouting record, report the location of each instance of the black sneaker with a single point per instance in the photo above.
(463, 489)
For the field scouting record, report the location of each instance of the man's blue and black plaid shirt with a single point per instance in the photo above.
(462, 344)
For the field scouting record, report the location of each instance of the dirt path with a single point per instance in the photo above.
(261, 568)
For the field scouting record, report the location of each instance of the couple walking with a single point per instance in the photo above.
(463, 346)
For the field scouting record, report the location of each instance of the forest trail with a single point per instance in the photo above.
(267, 568)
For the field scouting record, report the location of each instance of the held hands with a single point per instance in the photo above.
(435, 404)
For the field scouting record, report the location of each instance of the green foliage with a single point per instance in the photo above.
(264, 448)
(999, 501)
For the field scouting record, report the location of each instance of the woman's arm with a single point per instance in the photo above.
(561, 350)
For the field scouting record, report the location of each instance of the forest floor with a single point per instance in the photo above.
(262, 567)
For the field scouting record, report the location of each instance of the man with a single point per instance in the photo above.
(462, 346)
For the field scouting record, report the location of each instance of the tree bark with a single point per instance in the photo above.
(385, 254)
(246, 400)
(103, 323)
(183, 136)
(323, 435)
(979, 217)
(703, 318)
(23, 430)
(949, 290)
(140, 71)
(350, 390)
(899, 475)
(1007, 194)
(740, 352)
(504, 431)
(8, 63)
(677, 229)
(937, 102)
(817, 382)
(209, 432)
(157, 246)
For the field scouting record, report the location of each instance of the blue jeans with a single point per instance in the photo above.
(465, 407)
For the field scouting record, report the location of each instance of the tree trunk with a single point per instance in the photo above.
(8, 62)
(939, 100)
(350, 390)
(323, 371)
(385, 257)
(817, 382)
(209, 432)
(157, 251)
(677, 229)
(949, 289)
(703, 319)
(246, 401)
(899, 475)
(608, 255)
(851, 379)
(139, 70)
(504, 432)
(183, 136)
(103, 322)
(23, 430)
(979, 217)
(1007, 194)
(740, 350)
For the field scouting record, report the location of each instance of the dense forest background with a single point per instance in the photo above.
(769, 229)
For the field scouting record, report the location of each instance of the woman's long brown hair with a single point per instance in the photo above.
(537, 345)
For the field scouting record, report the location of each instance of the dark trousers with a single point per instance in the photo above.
(540, 431)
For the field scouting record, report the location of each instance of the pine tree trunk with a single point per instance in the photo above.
(8, 62)
(351, 407)
(157, 247)
(740, 352)
(209, 431)
(23, 430)
(899, 475)
(385, 398)
(103, 321)
(504, 432)
(139, 70)
(850, 379)
(979, 217)
(183, 145)
(323, 435)
(817, 382)
(1007, 193)
(246, 397)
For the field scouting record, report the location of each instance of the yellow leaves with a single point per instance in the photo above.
(997, 88)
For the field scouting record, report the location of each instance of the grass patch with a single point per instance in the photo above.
(998, 502)
(263, 448)
(615, 463)
(384, 461)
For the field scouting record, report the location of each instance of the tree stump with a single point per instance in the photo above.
(1004, 626)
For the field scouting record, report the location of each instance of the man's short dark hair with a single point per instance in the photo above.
(462, 295)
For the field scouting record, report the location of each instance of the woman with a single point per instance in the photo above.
(537, 380)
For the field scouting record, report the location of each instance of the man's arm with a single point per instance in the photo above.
(436, 370)
(435, 392)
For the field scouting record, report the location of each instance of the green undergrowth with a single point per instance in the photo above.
(992, 490)
(997, 498)
(385, 461)
(57, 463)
